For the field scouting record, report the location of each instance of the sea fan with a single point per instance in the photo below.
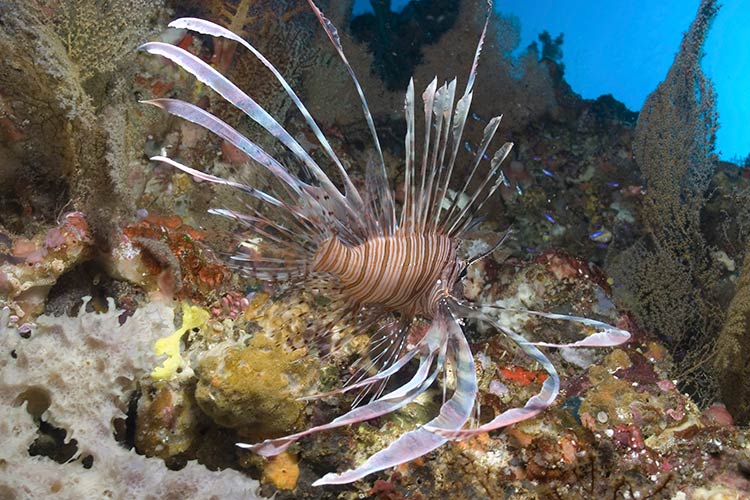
(386, 271)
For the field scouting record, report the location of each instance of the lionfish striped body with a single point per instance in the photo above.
(406, 272)
(382, 271)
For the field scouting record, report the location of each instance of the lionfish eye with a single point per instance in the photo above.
(462, 273)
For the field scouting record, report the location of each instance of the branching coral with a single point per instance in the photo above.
(668, 276)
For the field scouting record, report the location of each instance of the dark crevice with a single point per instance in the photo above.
(50, 443)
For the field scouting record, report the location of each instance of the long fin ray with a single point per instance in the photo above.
(457, 130)
(606, 335)
(409, 142)
(454, 413)
(386, 404)
(256, 193)
(379, 168)
(445, 109)
(461, 114)
(306, 240)
(489, 132)
(300, 217)
(194, 114)
(478, 52)
(497, 159)
(219, 83)
(388, 345)
(498, 175)
(428, 99)
(377, 214)
(208, 28)
(535, 405)
(296, 243)
(381, 375)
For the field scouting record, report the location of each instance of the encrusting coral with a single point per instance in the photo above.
(147, 254)
(254, 384)
(230, 375)
(29, 267)
(167, 422)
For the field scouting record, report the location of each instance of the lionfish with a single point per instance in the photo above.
(388, 271)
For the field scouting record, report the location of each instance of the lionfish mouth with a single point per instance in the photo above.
(383, 267)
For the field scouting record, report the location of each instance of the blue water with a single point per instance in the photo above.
(625, 48)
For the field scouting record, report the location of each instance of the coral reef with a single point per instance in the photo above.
(193, 318)
(77, 374)
(282, 471)
(668, 277)
(29, 267)
(235, 378)
(82, 414)
(622, 430)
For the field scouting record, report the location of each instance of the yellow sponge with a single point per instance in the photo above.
(192, 317)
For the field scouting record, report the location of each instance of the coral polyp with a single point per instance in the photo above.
(386, 268)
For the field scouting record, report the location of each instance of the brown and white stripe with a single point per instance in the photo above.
(403, 272)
